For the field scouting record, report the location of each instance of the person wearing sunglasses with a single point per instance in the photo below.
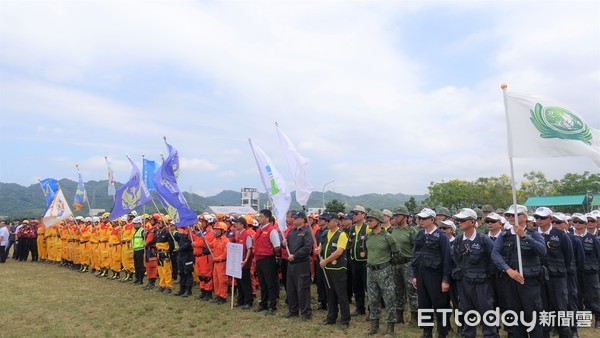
(560, 222)
(556, 263)
(522, 288)
(592, 225)
(587, 275)
(431, 270)
(471, 255)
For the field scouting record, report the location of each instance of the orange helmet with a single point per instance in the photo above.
(156, 217)
(220, 225)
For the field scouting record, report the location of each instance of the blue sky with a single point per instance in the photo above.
(381, 97)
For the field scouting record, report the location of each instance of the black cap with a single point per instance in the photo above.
(327, 216)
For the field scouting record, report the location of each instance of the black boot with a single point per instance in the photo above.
(208, 296)
(201, 295)
(389, 332)
(188, 292)
(374, 327)
(400, 316)
(150, 284)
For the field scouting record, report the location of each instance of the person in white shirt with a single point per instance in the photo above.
(3, 241)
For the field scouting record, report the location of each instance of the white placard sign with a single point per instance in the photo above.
(233, 266)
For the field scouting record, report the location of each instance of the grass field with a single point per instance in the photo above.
(44, 300)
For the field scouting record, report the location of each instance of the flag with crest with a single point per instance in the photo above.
(49, 189)
(131, 195)
(165, 183)
(57, 211)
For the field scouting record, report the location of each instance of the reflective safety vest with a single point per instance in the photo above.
(137, 242)
(329, 246)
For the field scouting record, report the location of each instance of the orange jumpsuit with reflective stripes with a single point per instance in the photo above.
(41, 242)
(203, 259)
(219, 250)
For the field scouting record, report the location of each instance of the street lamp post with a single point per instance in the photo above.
(324, 185)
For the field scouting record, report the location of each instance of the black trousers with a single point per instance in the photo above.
(298, 288)
(3, 254)
(138, 264)
(523, 297)
(589, 292)
(185, 267)
(359, 283)
(430, 296)
(244, 287)
(349, 283)
(33, 249)
(283, 266)
(320, 282)
(175, 270)
(266, 270)
(555, 297)
(23, 249)
(337, 295)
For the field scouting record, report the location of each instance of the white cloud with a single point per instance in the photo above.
(339, 78)
(198, 164)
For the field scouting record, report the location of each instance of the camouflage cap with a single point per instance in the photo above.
(478, 212)
(443, 211)
(378, 215)
(400, 210)
(487, 208)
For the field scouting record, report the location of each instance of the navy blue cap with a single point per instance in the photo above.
(299, 214)
(328, 216)
(347, 216)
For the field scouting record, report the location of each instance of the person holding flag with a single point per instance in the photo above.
(203, 256)
(126, 249)
(114, 244)
(218, 247)
(266, 246)
(163, 241)
(103, 236)
(521, 287)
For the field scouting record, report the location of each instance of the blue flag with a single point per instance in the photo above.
(131, 195)
(165, 183)
(80, 195)
(148, 171)
(49, 188)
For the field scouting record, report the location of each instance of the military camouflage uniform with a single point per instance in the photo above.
(380, 274)
(403, 273)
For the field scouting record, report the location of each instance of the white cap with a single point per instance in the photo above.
(494, 216)
(543, 212)
(521, 209)
(466, 213)
(360, 208)
(426, 213)
(596, 213)
(560, 216)
(450, 224)
(137, 220)
(590, 215)
(387, 213)
(579, 216)
(530, 219)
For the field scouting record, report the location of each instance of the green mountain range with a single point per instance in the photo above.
(17, 201)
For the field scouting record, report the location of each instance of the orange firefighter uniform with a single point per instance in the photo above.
(219, 249)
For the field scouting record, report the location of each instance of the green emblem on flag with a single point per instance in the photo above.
(557, 122)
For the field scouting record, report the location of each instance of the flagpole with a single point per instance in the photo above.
(512, 176)
(144, 206)
(109, 175)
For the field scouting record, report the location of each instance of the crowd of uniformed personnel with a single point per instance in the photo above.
(467, 261)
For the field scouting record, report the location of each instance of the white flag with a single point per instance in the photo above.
(274, 184)
(57, 211)
(544, 127)
(298, 165)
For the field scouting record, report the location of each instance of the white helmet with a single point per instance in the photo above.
(137, 220)
(79, 218)
(96, 219)
(87, 219)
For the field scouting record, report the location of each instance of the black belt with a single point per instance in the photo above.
(403, 260)
(378, 267)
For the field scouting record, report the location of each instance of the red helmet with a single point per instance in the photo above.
(156, 217)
